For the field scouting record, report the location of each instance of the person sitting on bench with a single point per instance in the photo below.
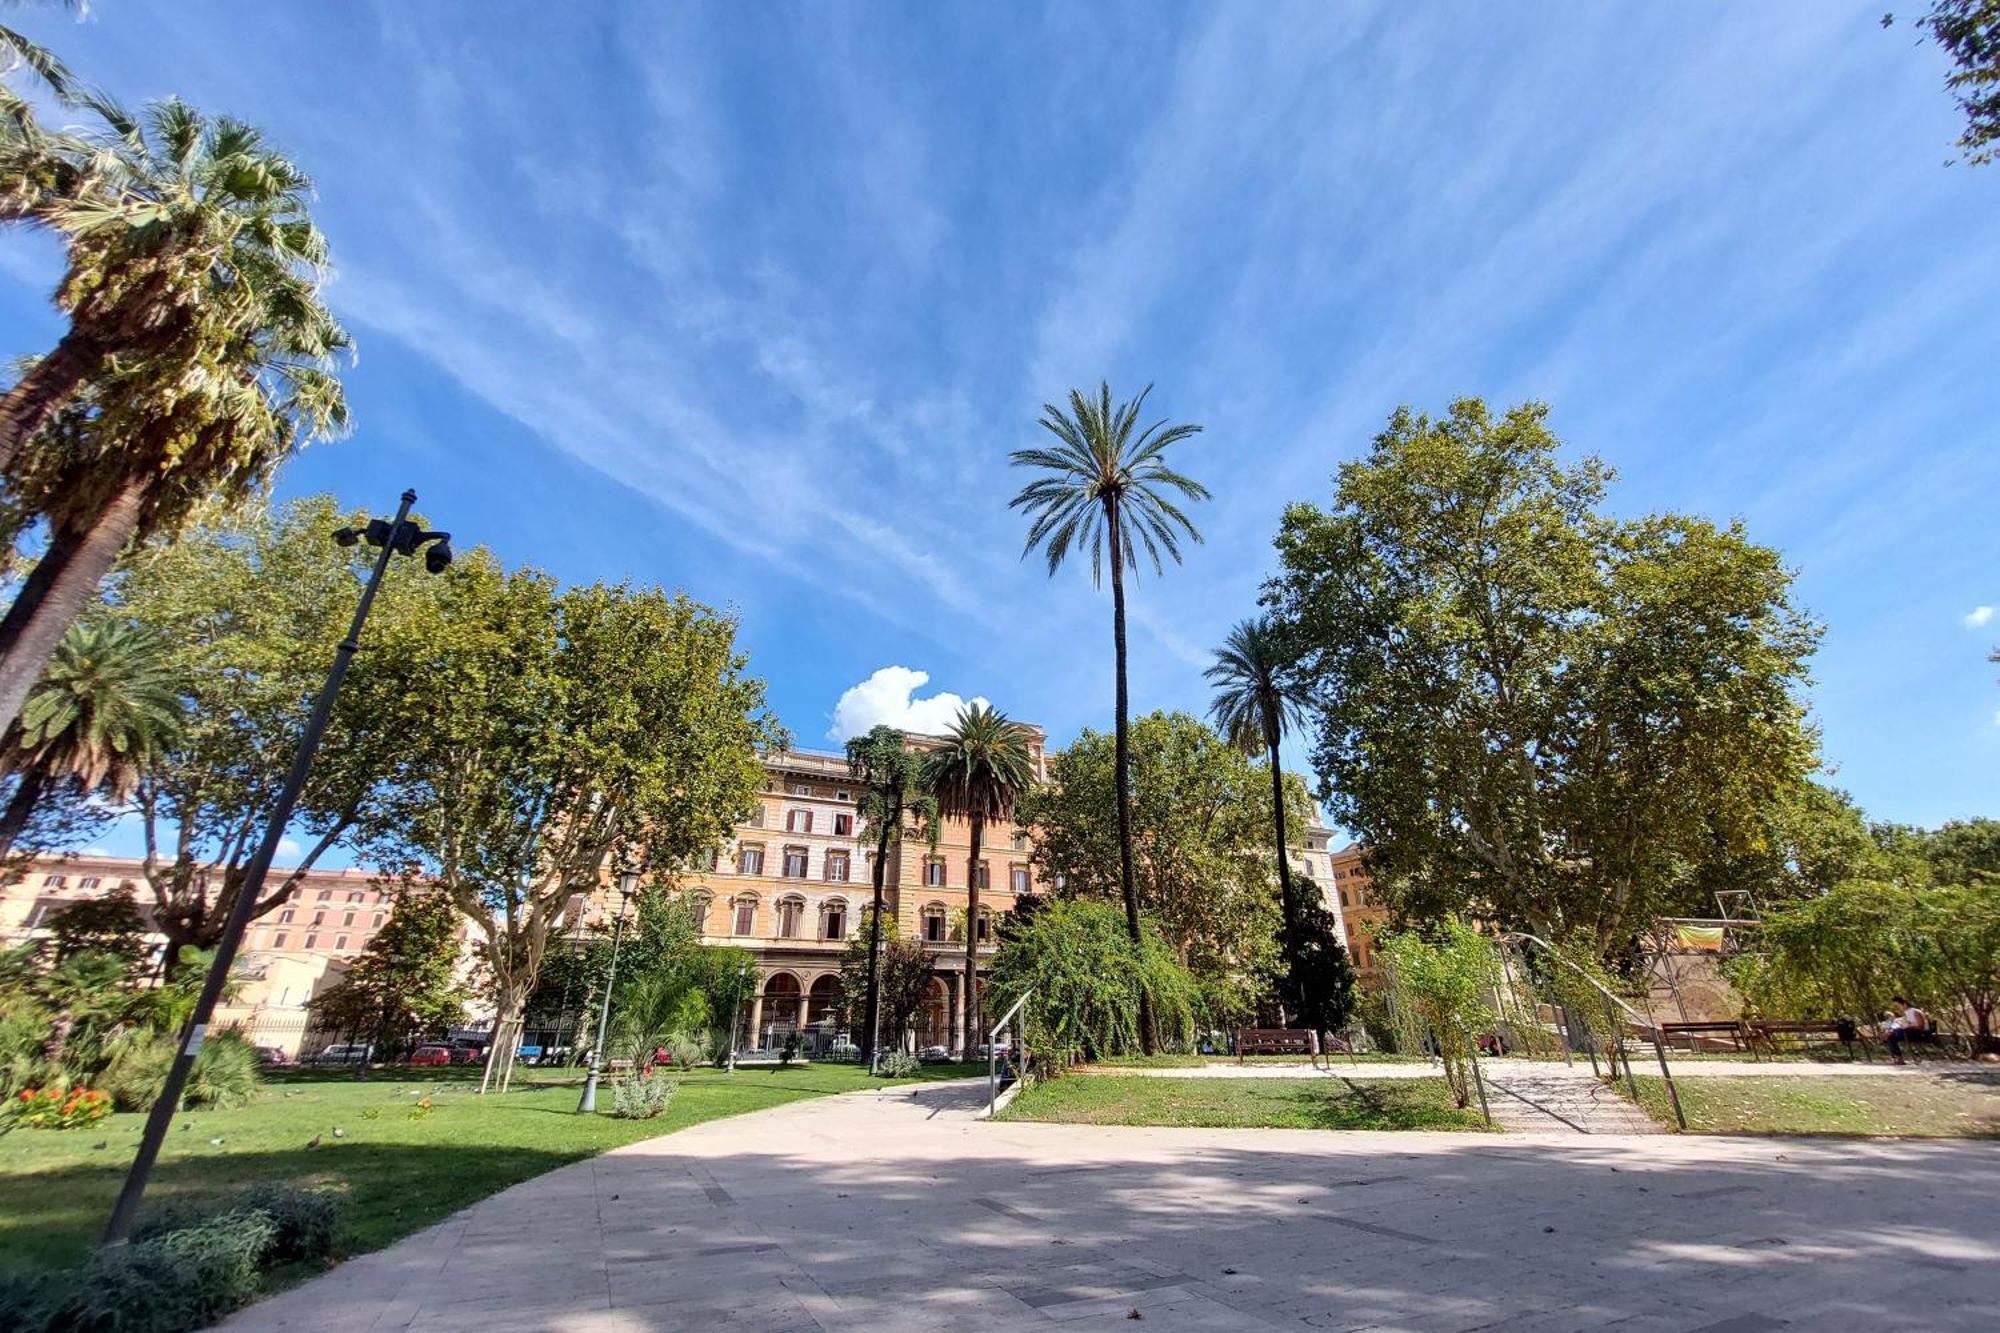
(1907, 1023)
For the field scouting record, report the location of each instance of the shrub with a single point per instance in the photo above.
(642, 1098)
(56, 1107)
(1442, 981)
(137, 1069)
(898, 1064)
(171, 1283)
(225, 1071)
(302, 1220)
(686, 1049)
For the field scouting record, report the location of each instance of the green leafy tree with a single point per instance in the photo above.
(1969, 32)
(406, 986)
(1106, 483)
(107, 925)
(1084, 979)
(976, 775)
(1200, 832)
(1533, 713)
(1257, 699)
(564, 732)
(196, 325)
(889, 972)
(892, 801)
(107, 707)
(251, 608)
(1443, 981)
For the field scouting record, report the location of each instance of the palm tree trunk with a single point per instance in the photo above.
(967, 1005)
(29, 633)
(1149, 1040)
(41, 393)
(1286, 903)
(875, 943)
(34, 781)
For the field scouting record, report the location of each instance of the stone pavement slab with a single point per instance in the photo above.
(899, 1210)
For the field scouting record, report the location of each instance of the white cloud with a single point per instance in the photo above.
(888, 697)
(97, 851)
(1977, 616)
(290, 847)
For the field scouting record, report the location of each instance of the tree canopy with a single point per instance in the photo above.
(1532, 712)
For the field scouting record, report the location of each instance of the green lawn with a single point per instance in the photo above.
(1196, 1061)
(1958, 1104)
(398, 1173)
(1254, 1103)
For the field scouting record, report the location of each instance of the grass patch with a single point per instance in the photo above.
(1957, 1105)
(1198, 1061)
(396, 1173)
(1245, 1103)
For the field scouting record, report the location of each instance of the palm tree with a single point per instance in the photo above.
(891, 797)
(1105, 485)
(1257, 696)
(976, 775)
(204, 278)
(107, 707)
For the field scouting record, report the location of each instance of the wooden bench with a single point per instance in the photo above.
(1692, 1033)
(1275, 1041)
(1769, 1030)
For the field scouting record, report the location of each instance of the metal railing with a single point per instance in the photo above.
(1019, 1059)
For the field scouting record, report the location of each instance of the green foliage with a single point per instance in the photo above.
(1201, 843)
(643, 1096)
(174, 1282)
(1086, 977)
(226, 1072)
(668, 981)
(107, 925)
(1532, 712)
(903, 971)
(302, 1220)
(405, 987)
(898, 1064)
(1317, 985)
(1441, 986)
(1969, 32)
(57, 1107)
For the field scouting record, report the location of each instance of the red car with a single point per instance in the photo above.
(431, 1055)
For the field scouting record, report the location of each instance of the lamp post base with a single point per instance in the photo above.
(589, 1102)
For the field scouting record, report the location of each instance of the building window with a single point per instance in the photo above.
(89, 882)
(789, 912)
(702, 902)
(285, 916)
(795, 863)
(340, 941)
(985, 925)
(798, 821)
(843, 826)
(376, 924)
(319, 918)
(279, 941)
(746, 917)
(836, 920)
(53, 881)
(714, 858)
(984, 877)
(844, 795)
(347, 919)
(801, 789)
(750, 861)
(354, 897)
(934, 923)
(836, 867)
(1020, 842)
(312, 941)
(934, 873)
(1018, 879)
(36, 915)
(757, 818)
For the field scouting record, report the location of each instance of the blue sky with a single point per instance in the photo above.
(755, 300)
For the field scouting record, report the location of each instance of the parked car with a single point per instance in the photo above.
(932, 1055)
(272, 1057)
(343, 1053)
(466, 1055)
(431, 1055)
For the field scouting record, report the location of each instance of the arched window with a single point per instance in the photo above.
(781, 1004)
(934, 919)
(823, 1000)
(746, 915)
(790, 910)
(833, 919)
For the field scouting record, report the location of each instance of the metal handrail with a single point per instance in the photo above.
(993, 1055)
(1613, 1002)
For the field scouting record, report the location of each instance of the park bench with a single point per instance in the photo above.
(1695, 1036)
(1275, 1041)
(1769, 1031)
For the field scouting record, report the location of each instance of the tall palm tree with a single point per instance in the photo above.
(204, 277)
(976, 775)
(107, 707)
(892, 797)
(1106, 483)
(1257, 697)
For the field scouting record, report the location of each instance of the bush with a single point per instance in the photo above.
(898, 1064)
(642, 1098)
(137, 1069)
(1443, 980)
(225, 1071)
(171, 1283)
(60, 1108)
(302, 1220)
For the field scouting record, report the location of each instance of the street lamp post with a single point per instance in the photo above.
(628, 884)
(394, 537)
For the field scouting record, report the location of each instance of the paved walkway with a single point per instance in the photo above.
(1643, 1064)
(899, 1210)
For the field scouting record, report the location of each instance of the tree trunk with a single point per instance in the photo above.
(63, 545)
(34, 781)
(967, 1009)
(874, 1015)
(28, 640)
(1149, 1040)
(40, 394)
(1287, 906)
